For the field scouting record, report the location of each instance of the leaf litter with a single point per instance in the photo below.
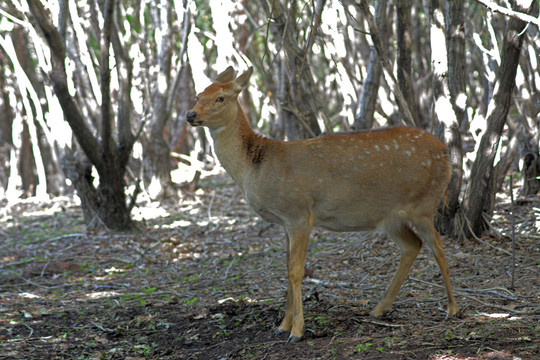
(206, 279)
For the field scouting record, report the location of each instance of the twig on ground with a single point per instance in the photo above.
(502, 307)
(229, 267)
(376, 322)
(31, 330)
(492, 292)
(100, 327)
(76, 235)
(492, 246)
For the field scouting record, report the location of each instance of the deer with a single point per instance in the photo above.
(386, 180)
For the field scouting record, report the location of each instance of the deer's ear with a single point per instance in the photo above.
(242, 81)
(225, 76)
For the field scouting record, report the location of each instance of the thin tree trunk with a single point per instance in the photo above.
(6, 124)
(481, 188)
(455, 44)
(445, 116)
(157, 162)
(404, 61)
(370, 88)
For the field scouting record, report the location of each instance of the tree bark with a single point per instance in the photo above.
(370, 89)
(404, 60)
(479, 194)
(445, 116)
(455, 44)
(157, 162)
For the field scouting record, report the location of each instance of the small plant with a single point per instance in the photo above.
(191, 278)
(448, 336)
(190, 301)
(362, 347)
(149, 290)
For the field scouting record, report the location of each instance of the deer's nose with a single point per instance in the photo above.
(191, 117)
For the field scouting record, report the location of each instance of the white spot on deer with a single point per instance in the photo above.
(381, 164)
(396, 146)
(356, 146)
(386, 147)
(351, 158)
(413, 149)
(320, 180)
(398, 169)
(360, 157)
(407, 152)
(377, 148)
(367, 151)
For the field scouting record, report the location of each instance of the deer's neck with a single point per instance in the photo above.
(239, 149)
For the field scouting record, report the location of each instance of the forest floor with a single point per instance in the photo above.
(206, 279)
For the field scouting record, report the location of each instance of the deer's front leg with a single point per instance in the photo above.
(297, 241)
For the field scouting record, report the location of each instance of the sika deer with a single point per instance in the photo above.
(389, 180)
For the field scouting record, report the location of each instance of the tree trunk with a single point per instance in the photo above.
(404, 61)
(370, 88)
(6, 124)
(481, 188)
(105, 206)
(457, 68)
(445, 116)
(157, 160)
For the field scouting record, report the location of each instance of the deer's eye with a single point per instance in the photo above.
(220, 99)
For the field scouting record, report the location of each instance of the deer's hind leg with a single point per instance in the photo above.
(426, 230)
(409, 244)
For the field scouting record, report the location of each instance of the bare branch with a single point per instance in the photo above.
(59, 78)
(509, 12)
(106, 79)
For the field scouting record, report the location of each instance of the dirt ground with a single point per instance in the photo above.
(205, 279)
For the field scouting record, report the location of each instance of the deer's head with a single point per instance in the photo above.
(217, 105)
